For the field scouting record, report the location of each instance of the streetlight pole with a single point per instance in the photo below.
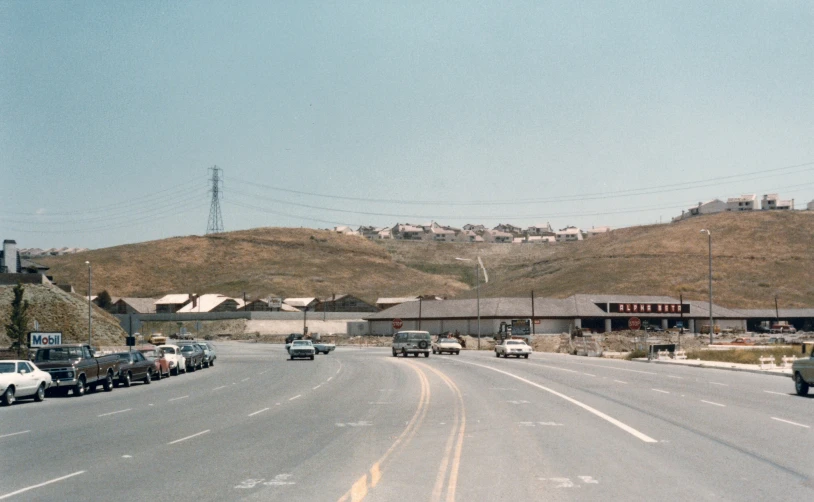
(90, 325)
(711, 325)
(477, 287)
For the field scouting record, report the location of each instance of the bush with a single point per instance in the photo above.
(636, 354)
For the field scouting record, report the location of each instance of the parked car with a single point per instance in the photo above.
(161, 366)
(178, 363)
(802, 371)
(411, 342)
(442, 345)
(301, 348)
(742, 341)
(516, 348)
(22, 379)
(75, 367)
(654, 328)
(209, 353)
(194, 356)
(134, 366)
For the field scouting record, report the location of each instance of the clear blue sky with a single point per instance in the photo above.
(111, 113)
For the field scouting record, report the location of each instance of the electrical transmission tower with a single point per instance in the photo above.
(215, 224)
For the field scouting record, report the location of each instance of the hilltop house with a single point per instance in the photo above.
(508, 228)
(569, 234)
(596, 231)
(540, 230)
(498, 236)
(742, 203)
(133, 306)
(170, 304)
(772, 202)
(709, 207)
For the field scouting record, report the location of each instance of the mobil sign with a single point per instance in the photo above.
(38, 339)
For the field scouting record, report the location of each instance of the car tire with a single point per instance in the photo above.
(108, 384)
(40, 395)
(127, 381)
(191, 368)
(426, 354)
(148, 378)
(311, 358)
(497, 354)
(174, 372)
(79, 388)
(395, 354)
(8, 396)
(291, 358)
(800, 385)
(403, 353)
(526, 356)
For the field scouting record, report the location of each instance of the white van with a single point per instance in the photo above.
(412, 342)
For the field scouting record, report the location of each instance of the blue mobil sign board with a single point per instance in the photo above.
(38, 339)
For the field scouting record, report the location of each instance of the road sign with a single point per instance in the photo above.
(275, 303)
(397, 323)
(634, 323)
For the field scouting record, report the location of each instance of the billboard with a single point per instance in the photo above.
(649, 308)
(39, 339)
(275, 303)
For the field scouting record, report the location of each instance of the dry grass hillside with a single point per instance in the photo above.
(56, 310)
(755, 257)
(282, 261)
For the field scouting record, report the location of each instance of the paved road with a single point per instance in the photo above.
(361, 424)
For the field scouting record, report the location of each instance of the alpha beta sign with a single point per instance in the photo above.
(649, 308)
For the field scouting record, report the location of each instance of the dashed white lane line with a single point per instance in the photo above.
(23, 490)
(189, 437)
(721, 384)
(594, 411)
(589, 374)
(265, 371)
(177, 398)
(14, 434)
(330, 378)
(604, 366)
(221, 387)
(554, 367)
(714, 404)
(620, 381)
(773, 392)
(295, 397)
(659, 390)
(318, 386)
(676, 377)
(258, 411)
(245, 380)
(790, 422)
(114, 412)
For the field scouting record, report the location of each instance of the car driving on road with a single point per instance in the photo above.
(802, 371)
(22, 379)
(449, 345)
(301, 349)
(509, 347)
(412, 342)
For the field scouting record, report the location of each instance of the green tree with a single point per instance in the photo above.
(103, 300)
(16, 328)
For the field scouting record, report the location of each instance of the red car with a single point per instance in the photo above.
(162, 366)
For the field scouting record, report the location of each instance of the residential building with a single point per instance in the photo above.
(569, 234)
(772, 202)
(743, 203)
(508, 228)
(541, 239)
(469, 236)
(540, 229)
(474, 228)
(344, 303)
(441, 234)
(408, 232)
(810, 206)
(709, 207)
(133, 306)
(345, 230)
(302, 304)
(264, 305)
(596, 231)
(212, 303)
(497, 236)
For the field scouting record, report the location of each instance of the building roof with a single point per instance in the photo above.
(140, 305)
(743, 198)
(173, 299)
(396, 300)
(299, 302)
(207, 303)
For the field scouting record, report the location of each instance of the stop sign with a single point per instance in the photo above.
(634, 323)
(397, 323)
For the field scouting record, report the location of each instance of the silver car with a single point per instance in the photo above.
(301, 348)
(412, 342)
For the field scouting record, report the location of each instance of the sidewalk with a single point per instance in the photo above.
(749, 368)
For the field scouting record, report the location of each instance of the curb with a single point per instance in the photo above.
(743, 370)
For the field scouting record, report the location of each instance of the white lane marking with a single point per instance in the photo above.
(721, 384)
(330, 378)
(188, 437)
(714, 404)
(662, 391)
(620, 381)
(276, 404)
(603, 416)
(318, 386)
(295, 397)
(259, 411)
(14, 434)
(221, 387)
(245, 380)
(589, 374)
(789, 422)
(114, 412)
(554, 367)
(618, 369)
(778, 393)
(23, 490)
(676, 377)
(127, 456)
(177, 398)
(266, 371)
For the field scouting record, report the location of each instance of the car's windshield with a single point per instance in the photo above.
(515, 342)
(169, 350)
(124, 358)
(447, 340)
(58, 354)
(302, 342)
(6, 367)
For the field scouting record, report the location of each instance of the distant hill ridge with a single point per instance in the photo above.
(756, 255)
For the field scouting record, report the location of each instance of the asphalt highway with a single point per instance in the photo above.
(360, 424)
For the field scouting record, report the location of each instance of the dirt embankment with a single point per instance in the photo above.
(58, 311)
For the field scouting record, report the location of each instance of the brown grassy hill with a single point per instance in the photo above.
(755, 257)
(56, 310)
(283, 261)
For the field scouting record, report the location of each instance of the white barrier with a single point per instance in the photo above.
(681, 354)
(788, 361)
(663, 354)
(767, 363)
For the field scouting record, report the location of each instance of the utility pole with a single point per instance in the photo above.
(215, 223)
(681, 310)
(419, 312)
(90, 321)
(533, 331)
(776, 310)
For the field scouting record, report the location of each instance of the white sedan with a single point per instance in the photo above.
(177, 362)
(508, 347)
(22, 379)
(450, 345)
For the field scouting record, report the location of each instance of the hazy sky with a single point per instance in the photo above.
(576, 113)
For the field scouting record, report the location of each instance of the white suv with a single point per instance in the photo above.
(412, 342)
